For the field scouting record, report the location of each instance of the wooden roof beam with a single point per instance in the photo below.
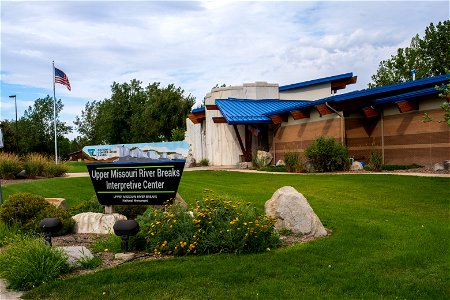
(278, 119)
(219, 120)
(405, 106)
(323, 110)
(370, 112)
(197, 118)
(300, 114)
(212, 107)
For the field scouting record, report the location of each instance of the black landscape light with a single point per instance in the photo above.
(50, 226)
(124, 229)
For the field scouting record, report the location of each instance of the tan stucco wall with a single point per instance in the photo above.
(314, 92)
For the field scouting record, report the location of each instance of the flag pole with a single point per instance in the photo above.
(54, 115)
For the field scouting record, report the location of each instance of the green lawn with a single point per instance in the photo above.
(390, 239)
(76, 166)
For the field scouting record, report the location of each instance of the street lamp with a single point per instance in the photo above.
(17, 130)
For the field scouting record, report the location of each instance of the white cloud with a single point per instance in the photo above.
(197, 45)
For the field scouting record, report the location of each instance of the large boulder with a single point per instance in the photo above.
(76, 254)
(264, 158)
(292, 211)
(90, 222)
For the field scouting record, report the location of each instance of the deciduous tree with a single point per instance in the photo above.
(428, 56)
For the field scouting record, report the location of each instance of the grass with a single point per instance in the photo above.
(390, 239)
(74, 190)
(76, 166)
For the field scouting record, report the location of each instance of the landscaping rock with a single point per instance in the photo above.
(245, 165)
(76, 253)
(22, 174)
(58, 202)
(264, 158)
(190, 160)
(280, 163)
(292, 211)
(447, 165)
(90, 222)
(356, 166)
(180, 201)
(124, 256)
(438, 166)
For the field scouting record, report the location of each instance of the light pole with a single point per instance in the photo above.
(17, 130)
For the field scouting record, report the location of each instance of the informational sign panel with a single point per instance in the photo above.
(133, 174)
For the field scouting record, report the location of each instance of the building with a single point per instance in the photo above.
(236, 121)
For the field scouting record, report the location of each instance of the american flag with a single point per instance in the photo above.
(61, 77)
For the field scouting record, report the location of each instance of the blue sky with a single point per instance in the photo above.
(195, 44)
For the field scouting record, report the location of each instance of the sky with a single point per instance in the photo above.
(195, 44)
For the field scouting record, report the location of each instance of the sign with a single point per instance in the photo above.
(131, 174)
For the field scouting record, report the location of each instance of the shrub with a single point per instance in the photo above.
(326, 155)
(34, 165)
(215, 226)
(130, 211)
(171, 231)
(27, 210)
(60, 213)
(375, 162)
(293, 161)
(273, 169)
(30, 263)
(91, 205)
(10, 165)
(258, 163)
(204, 162)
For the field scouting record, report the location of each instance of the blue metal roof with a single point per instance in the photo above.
(245, 111)
(382, 94)
(315, 81)
(422, 92)
(388, 90)
(198, 109)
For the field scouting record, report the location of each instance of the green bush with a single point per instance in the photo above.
(204, 162)
(91, 205)
(60, 213)
(293, 161)
(215, 226)
(31, 263)
(130, 211)
(327, 156)
(375, 162)
(34, 165)
(171, 231)
(273, 169)
(10, 165)
(27, 210)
